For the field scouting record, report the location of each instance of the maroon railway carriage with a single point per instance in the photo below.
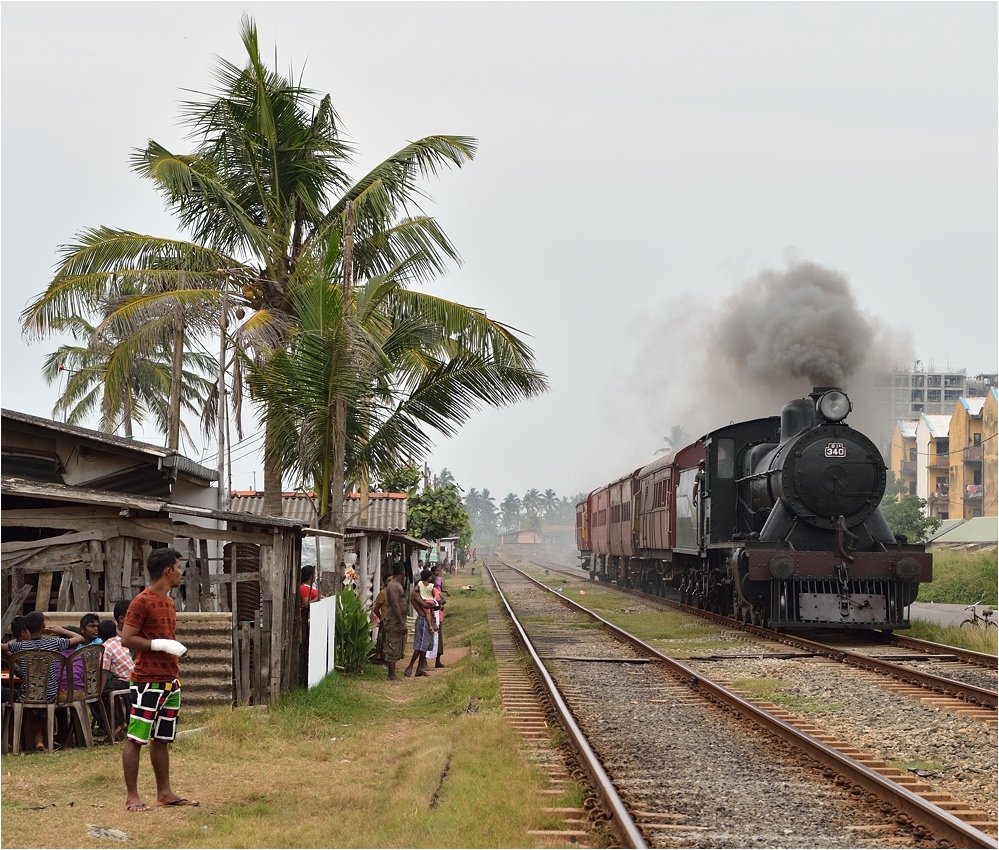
(774, 520)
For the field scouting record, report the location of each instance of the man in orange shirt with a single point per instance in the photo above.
(149, 631)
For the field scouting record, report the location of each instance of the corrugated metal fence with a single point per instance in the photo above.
(206, 670)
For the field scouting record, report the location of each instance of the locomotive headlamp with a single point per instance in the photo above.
(834, 406)
(908, 569)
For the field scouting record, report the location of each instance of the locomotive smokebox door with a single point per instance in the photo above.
(829, 471)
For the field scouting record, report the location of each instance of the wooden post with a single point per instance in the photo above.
(204, 572)
(14, 608)
(362, 571)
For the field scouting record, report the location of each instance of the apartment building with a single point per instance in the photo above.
(903, 458)
(990, 456)
(966, 456)
(933, 464)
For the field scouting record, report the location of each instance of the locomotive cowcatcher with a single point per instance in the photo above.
(775, 521)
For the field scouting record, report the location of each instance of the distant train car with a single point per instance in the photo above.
(775, 521)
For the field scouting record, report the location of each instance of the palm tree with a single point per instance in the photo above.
(380, 365)
(674, 440)
(124, 372)
(550, 503)
(489, 511)
(510, 509)
(269, 206)
(531, 501)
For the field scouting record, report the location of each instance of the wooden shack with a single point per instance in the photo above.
(81, 510)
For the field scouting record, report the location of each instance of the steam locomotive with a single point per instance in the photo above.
(775, 521)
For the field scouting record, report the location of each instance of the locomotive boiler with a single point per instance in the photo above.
(775, 521)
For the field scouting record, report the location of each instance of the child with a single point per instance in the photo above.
(426, 586)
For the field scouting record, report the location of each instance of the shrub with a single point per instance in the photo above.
(352, 635)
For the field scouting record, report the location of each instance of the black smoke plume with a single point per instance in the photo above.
(702, 364)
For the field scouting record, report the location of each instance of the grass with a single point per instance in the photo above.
(961, 578)
(358, 762)
(918, 764)
(977, 640)
(774, 691)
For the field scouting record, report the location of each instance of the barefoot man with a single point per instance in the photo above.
(149, 630)
(394, 624)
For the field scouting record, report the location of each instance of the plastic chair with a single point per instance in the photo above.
(94, 675)
(114, 699)
(37, 668)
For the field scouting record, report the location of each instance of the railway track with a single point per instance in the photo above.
(691, 773)
(959, 680)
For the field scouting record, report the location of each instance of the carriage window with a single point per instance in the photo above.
(726, 458)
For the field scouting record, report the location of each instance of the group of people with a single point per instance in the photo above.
(32, 632)
(140, 652)
(390, 611)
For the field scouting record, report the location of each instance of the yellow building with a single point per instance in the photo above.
(933, 466)
(965, 479)
(990, 458)
(904, 455)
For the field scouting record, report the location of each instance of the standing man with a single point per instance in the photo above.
(424, 637)
(149, 631)
(394, 622)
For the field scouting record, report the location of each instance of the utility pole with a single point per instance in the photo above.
(223, 328)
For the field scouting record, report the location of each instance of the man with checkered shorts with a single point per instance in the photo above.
(149, 631)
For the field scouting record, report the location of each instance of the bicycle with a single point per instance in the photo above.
(983, 620)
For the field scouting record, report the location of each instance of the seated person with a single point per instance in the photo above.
(55, 639)
(63, 718)
(117, 661)
(89, 625)
(19, 631)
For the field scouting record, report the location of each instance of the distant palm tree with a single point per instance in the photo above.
(531, 501)
(550, 503)
(510, 508)
(674, 440)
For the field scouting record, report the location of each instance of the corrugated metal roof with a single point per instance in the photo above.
(907, 427)
(386, 511)
(973, 405)
(183, 464)
(981, 529)
(938, 425)
(86, 496)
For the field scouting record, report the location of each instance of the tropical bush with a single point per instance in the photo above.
(352, 635)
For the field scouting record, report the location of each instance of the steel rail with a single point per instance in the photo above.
(620, 816)
(979, 659)
(941, 822)
(907, 675)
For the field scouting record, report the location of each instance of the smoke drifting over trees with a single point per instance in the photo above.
(776, 337)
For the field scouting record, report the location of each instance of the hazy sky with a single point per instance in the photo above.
(640, 167)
